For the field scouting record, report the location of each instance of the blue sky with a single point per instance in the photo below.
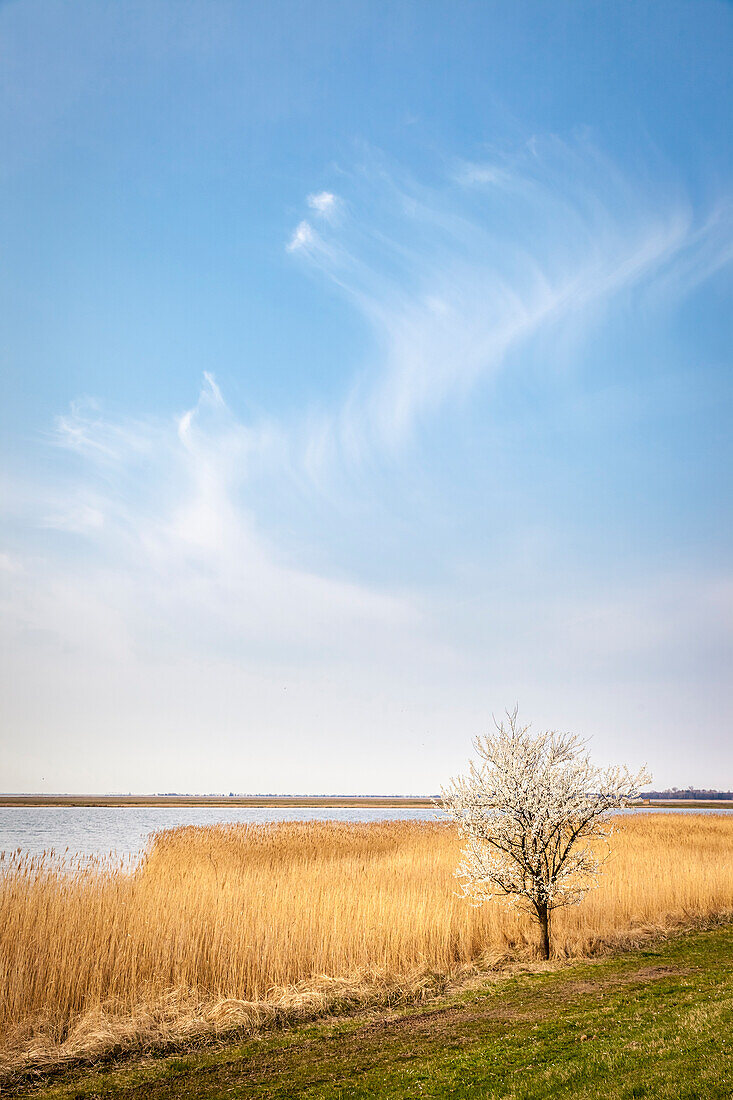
(367, 370)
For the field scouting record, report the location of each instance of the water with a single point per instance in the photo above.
(123, 831)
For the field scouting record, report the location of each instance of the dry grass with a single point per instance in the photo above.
(231, 925)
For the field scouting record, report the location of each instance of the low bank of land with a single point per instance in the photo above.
(294, 801)
(655, 1023)
(253, 801)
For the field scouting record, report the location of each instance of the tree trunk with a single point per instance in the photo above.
(543, 916)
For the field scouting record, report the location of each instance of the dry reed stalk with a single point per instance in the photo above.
(230, 926)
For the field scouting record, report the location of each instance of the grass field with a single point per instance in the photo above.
(657, 1023)
(235, 927)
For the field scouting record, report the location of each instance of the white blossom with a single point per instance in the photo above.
(531, 812)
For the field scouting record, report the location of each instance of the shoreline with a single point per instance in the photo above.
(366, 802)
(253, 801)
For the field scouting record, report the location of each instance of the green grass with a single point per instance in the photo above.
(655, 1023)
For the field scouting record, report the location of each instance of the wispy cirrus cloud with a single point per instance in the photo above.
(172, 520)
(156, 578)
(455, 276)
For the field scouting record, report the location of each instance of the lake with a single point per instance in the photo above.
(123, 832)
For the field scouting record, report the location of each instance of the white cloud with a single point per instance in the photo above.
(302, 237)
(453, 278)
(85, 431)
(323, 203)
(173, 531)
(188, 634)
(75, 517)
(482, 174)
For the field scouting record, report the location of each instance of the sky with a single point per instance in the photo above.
(366, 372)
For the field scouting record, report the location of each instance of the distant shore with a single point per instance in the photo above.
(254, 801)
(392, 802)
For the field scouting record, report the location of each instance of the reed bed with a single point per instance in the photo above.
(230, 926)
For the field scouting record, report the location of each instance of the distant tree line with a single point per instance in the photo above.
(690, 792)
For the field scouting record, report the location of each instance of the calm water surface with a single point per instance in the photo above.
(123, 831)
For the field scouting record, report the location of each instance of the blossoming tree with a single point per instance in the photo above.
(531, 812)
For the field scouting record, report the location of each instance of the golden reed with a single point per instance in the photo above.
(230, 925)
